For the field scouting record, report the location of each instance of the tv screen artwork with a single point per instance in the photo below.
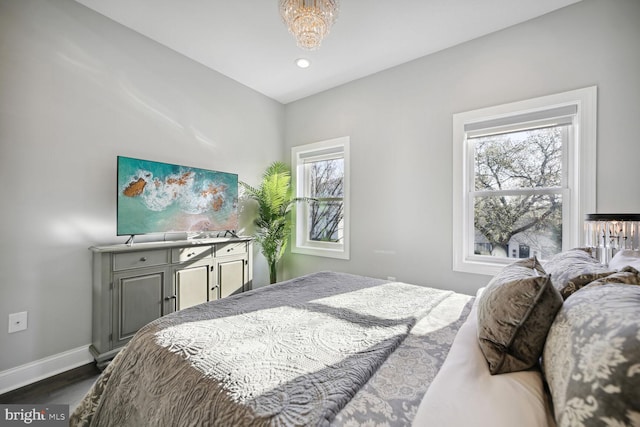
(156, 197)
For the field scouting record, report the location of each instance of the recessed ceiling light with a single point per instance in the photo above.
(303, 62)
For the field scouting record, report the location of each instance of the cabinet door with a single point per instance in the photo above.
(193, 285)
(138, 299)
(232, 276)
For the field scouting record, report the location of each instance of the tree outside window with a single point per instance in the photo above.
(326, 213)
(517, 194)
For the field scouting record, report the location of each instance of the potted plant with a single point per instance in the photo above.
(275, 198)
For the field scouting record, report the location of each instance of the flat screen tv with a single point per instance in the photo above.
(155, 197)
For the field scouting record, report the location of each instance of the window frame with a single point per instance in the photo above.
(579, 181)
(322, 150)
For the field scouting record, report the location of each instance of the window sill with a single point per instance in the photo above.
(479, 265)
(338, 253)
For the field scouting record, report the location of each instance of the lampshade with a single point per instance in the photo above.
(309, 20)
(608, 233)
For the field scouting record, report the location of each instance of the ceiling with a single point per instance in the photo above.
(248, 42)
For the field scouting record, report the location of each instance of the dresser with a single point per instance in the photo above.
(135, 284)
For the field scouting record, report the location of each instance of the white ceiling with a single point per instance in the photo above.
(247, 41)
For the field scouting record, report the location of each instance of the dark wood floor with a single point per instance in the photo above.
(65, 388)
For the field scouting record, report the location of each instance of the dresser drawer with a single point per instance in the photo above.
(226, 249)
(191, 253)
(127, 260)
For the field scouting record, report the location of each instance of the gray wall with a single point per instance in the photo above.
(76, 90)
(400, 124)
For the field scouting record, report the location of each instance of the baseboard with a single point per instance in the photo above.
(38, 370)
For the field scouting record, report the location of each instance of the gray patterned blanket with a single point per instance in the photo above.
(323, 349)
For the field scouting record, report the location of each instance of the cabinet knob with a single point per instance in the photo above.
(143, 259)
(170, 298)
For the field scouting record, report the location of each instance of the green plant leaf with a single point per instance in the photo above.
(275, 198)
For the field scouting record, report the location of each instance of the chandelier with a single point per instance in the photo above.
(309, 20)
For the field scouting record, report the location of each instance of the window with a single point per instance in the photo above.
(321, 177)
(524, 177)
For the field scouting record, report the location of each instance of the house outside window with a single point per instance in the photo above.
(321, 176)
(524, 178)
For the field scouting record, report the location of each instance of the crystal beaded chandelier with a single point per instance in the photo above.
(309, 20)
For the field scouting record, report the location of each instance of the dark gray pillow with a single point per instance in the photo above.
(575, 266)
(515, 312)
(628, 275)
(591, 359)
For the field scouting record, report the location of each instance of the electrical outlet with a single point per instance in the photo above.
(17, 322)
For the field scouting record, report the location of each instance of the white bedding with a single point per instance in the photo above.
(323, 349)
(464, 393)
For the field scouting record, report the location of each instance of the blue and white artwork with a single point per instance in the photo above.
(156, 197)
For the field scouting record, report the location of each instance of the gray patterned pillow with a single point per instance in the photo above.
(515, 312)
(591, 359)
(576, 266)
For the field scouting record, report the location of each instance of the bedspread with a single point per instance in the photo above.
(322, 349)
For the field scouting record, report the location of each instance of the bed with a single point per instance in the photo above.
(323, 349)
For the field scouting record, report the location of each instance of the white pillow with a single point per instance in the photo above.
(624, 258)
(464, 393)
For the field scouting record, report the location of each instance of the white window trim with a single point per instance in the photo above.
(299, 245)
(581, 181)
